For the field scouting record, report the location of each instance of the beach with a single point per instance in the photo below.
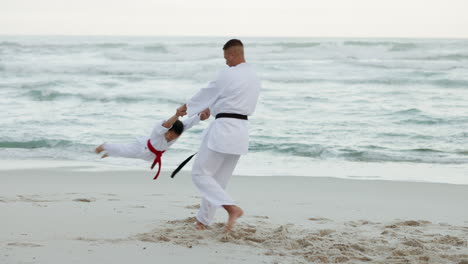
(76, 212)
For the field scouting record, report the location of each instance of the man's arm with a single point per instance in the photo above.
(203, 99)
(194, 120)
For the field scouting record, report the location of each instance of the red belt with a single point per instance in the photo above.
(157, 159)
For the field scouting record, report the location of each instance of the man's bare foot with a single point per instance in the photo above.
(99, 149)
(200, 226)
(234, 212)
(104, 156)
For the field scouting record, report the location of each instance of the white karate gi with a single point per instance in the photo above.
(138, 149)
(236, 91)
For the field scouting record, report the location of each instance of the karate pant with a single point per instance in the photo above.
(135, 150)
(211, 172)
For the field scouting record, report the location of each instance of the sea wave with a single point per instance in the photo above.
(110, 45)
(199, 44)
(286, 44)
(444, 83)
(444, 57)
(365, 153)
(51, 95)
(450, 83)
(410, 111)
(297, 45)
(372, 156)
(43, 84)
(422, 120)
(34, 144)
(403, 46)
(415, 116)
(9, 44)
(296, 149)
(155, 48)
(422, 155)
(424, 150)
(393, 46)
(49, 48)
(372, 43)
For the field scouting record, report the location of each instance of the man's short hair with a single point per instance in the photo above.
(232, 43)
(177, 127)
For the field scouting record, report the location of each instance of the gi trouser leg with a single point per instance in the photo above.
(211, 172)
(126, 150)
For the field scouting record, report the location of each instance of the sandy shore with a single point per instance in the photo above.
(74, 214)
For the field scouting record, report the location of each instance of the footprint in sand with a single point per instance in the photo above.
(138, 206)
(261, 216)
(408, 223)
(18, 244)
(321, 219)
(85, 200)
(33, 199)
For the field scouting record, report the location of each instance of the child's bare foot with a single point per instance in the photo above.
(234, 212)
(99, 149)
(200, 226)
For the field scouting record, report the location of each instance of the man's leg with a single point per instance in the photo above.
(205, 214)
(211, 173)
(205, 166)
(223, 176)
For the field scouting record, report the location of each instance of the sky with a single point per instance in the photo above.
(257, 18)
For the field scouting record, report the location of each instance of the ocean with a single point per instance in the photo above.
(385, 109)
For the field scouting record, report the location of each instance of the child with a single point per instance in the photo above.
(164, 134)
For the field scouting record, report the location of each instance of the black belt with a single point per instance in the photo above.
(181, 165)
(228, 115)
(220, 115)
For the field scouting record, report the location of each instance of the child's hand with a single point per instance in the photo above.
(205, 114)
(181, 111)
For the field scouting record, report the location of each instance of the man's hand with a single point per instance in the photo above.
(182, 110)
(205, 114)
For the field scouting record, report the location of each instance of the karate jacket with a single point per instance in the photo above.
(235, 90)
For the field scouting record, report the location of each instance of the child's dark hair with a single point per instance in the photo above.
(177, 127)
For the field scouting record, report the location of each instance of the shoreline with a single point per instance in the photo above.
(326, 169)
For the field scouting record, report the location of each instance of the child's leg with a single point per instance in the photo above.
(127, 150)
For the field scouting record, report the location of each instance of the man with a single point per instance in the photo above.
(231, 98)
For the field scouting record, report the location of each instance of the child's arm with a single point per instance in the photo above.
(173, 119)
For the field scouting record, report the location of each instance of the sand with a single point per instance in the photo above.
(75, 213)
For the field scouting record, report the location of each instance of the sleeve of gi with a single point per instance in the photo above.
(159, 129)
(205, 97)
(191, 121)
